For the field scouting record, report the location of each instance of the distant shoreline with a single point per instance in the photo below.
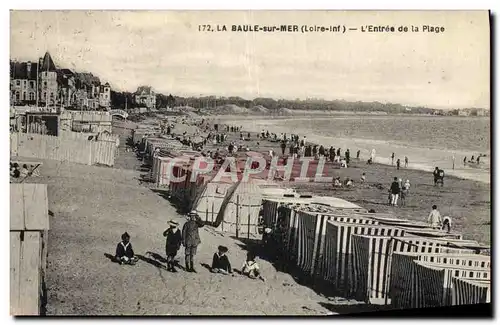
(383, 149)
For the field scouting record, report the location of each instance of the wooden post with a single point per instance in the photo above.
(248, 229)
(237, 216)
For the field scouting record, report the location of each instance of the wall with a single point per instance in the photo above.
(63, 149)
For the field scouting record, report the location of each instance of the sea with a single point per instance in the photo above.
(427, 141)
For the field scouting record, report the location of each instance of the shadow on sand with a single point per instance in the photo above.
(277, 259)
(357, 309)
(165, 194)
(151, 261)
(111, 258)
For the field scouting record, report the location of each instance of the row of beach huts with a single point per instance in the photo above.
(372, 257)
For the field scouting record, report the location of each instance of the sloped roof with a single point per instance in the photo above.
(147, 90)
(19, 70)
(47, 63)
(88, 78)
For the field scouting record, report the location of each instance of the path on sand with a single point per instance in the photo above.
(92, 206)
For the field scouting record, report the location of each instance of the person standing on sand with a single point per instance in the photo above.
(172, 244)
(347, 156)
(465, 161)
(191, 239)
(395, 189)
(406, 162)
(283, 147)
(434, 218)
(372, 156)
(338, 152)
(357, 154)
(332, 153)
(392, 159)
(398, 163)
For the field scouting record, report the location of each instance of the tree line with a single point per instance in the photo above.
(207, 103)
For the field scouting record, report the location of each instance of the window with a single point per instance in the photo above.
(45, 84)
(17, 95)
(32, 96)
(44, 95)
(24, 83)
(32, 84)
(51, 96)
(24, 95)
(18, 82)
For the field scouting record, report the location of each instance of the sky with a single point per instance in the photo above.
(166, 50)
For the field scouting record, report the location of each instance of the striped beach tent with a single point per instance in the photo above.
(320, 220)
(338, 250)
(372, 258)
(418, 284)
(469, 292)
(412, 243)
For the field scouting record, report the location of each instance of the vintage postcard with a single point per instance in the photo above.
(249, 162)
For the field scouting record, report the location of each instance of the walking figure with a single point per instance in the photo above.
(406, 162)
(392, 159)
(395, 189)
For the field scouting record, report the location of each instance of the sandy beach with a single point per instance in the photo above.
(82, 281)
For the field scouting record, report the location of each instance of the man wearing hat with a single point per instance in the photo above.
(172, 244)
(191, 239)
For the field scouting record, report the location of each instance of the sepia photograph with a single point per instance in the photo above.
(250, 162)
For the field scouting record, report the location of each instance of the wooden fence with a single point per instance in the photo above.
(29, 225)
(62, 149)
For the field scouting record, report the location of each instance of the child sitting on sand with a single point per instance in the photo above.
(251, 267)
(125, 252)
(220, 262)
(446, 224)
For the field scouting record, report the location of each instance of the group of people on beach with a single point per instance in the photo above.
(21, 172)
(188, 237)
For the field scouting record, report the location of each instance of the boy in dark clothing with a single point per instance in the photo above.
(220, 262)
(191, 239)
(125, 252)
(173, 244)
(347, 156)
(395, 189)
(357, 154)
(398, 163)
(283, 147)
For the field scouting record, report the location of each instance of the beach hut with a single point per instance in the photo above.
(372, 258)
(469, 292)
(335, 260)
(29, 225)
(428, 284)
(210, 198)
(239, 212)
(321, 215)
